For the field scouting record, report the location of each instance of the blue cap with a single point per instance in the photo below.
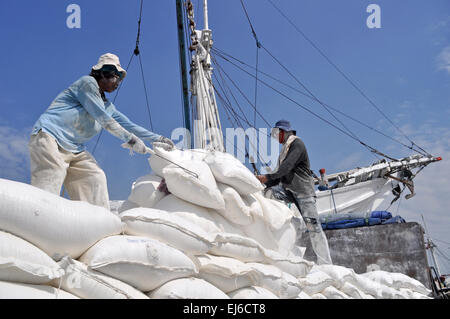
(285, 126)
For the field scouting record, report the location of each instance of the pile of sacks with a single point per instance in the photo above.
(199, 227)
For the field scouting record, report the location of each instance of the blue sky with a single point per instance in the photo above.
(404, 67)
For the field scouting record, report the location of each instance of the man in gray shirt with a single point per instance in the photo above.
(295, 176)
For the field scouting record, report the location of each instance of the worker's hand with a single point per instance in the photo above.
(262, 178)
(165, 143)
(135, 144)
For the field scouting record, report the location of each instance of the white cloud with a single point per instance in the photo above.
(14, 156)
(443, 59)
(350, 161)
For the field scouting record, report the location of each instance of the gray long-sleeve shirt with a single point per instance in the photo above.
(294, 172)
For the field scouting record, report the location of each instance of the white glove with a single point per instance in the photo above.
(165, 143)
(135, 144)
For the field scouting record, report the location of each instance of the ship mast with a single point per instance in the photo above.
(183, 66)
(207, 127)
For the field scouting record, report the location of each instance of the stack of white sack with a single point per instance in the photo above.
(241, 244)
(214, 236)
(38, 229)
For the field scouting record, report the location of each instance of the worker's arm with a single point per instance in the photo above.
(295, 152)
(272, 182)
(89, 97)
(139, 131)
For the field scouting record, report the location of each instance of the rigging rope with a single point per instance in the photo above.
(242, 93)
(299, 82)
(136, 52)
(258, 46)
(232, 111)
(223, 54)
(347, 77)
(308, 110)
(373, 150)
(228, 107)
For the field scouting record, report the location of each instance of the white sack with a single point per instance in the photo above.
(187, 288)
(13, 290)
(168, 228)
(411, 294)
(294, 265)
(235, 246)
(56, 225)
(209, 220)
(144, 191)
(315, 282)
(253, 205)
(354, 292)
(229, 170)
(397, 281)
(280, 283)
(194, 183)
(378, 290)
(276, 213)
(339, 274)
(141, 262)
(303, 295)
(253, 292)
(369, 286)
(236, 210)
(260, 231)
(332, 293)
(163, 158)
(90, 284)
(404, 281)
(21, 261)
(225, 273)
(126, 205)
(285, 238)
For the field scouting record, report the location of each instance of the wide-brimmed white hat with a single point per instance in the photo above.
(111, 59)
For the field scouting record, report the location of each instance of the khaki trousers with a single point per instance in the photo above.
(52, 167)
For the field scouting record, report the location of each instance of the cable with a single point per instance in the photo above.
(258, 46)
(318, 116)
(240, 91)
(346, 77)
(442, 241)
(145, 91)
(136, 52)
(228, 107)
(221, 53)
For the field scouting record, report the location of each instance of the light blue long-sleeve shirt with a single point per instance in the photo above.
(79, 113)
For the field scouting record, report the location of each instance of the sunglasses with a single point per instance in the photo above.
(110, 71)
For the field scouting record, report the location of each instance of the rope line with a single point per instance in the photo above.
(309, 111)
(346, 77)
(223, 54)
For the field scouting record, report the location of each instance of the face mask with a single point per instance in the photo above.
(275, 133)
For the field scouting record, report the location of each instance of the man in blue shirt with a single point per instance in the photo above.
(57, 145)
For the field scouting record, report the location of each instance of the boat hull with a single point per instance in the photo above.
(361, 197)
